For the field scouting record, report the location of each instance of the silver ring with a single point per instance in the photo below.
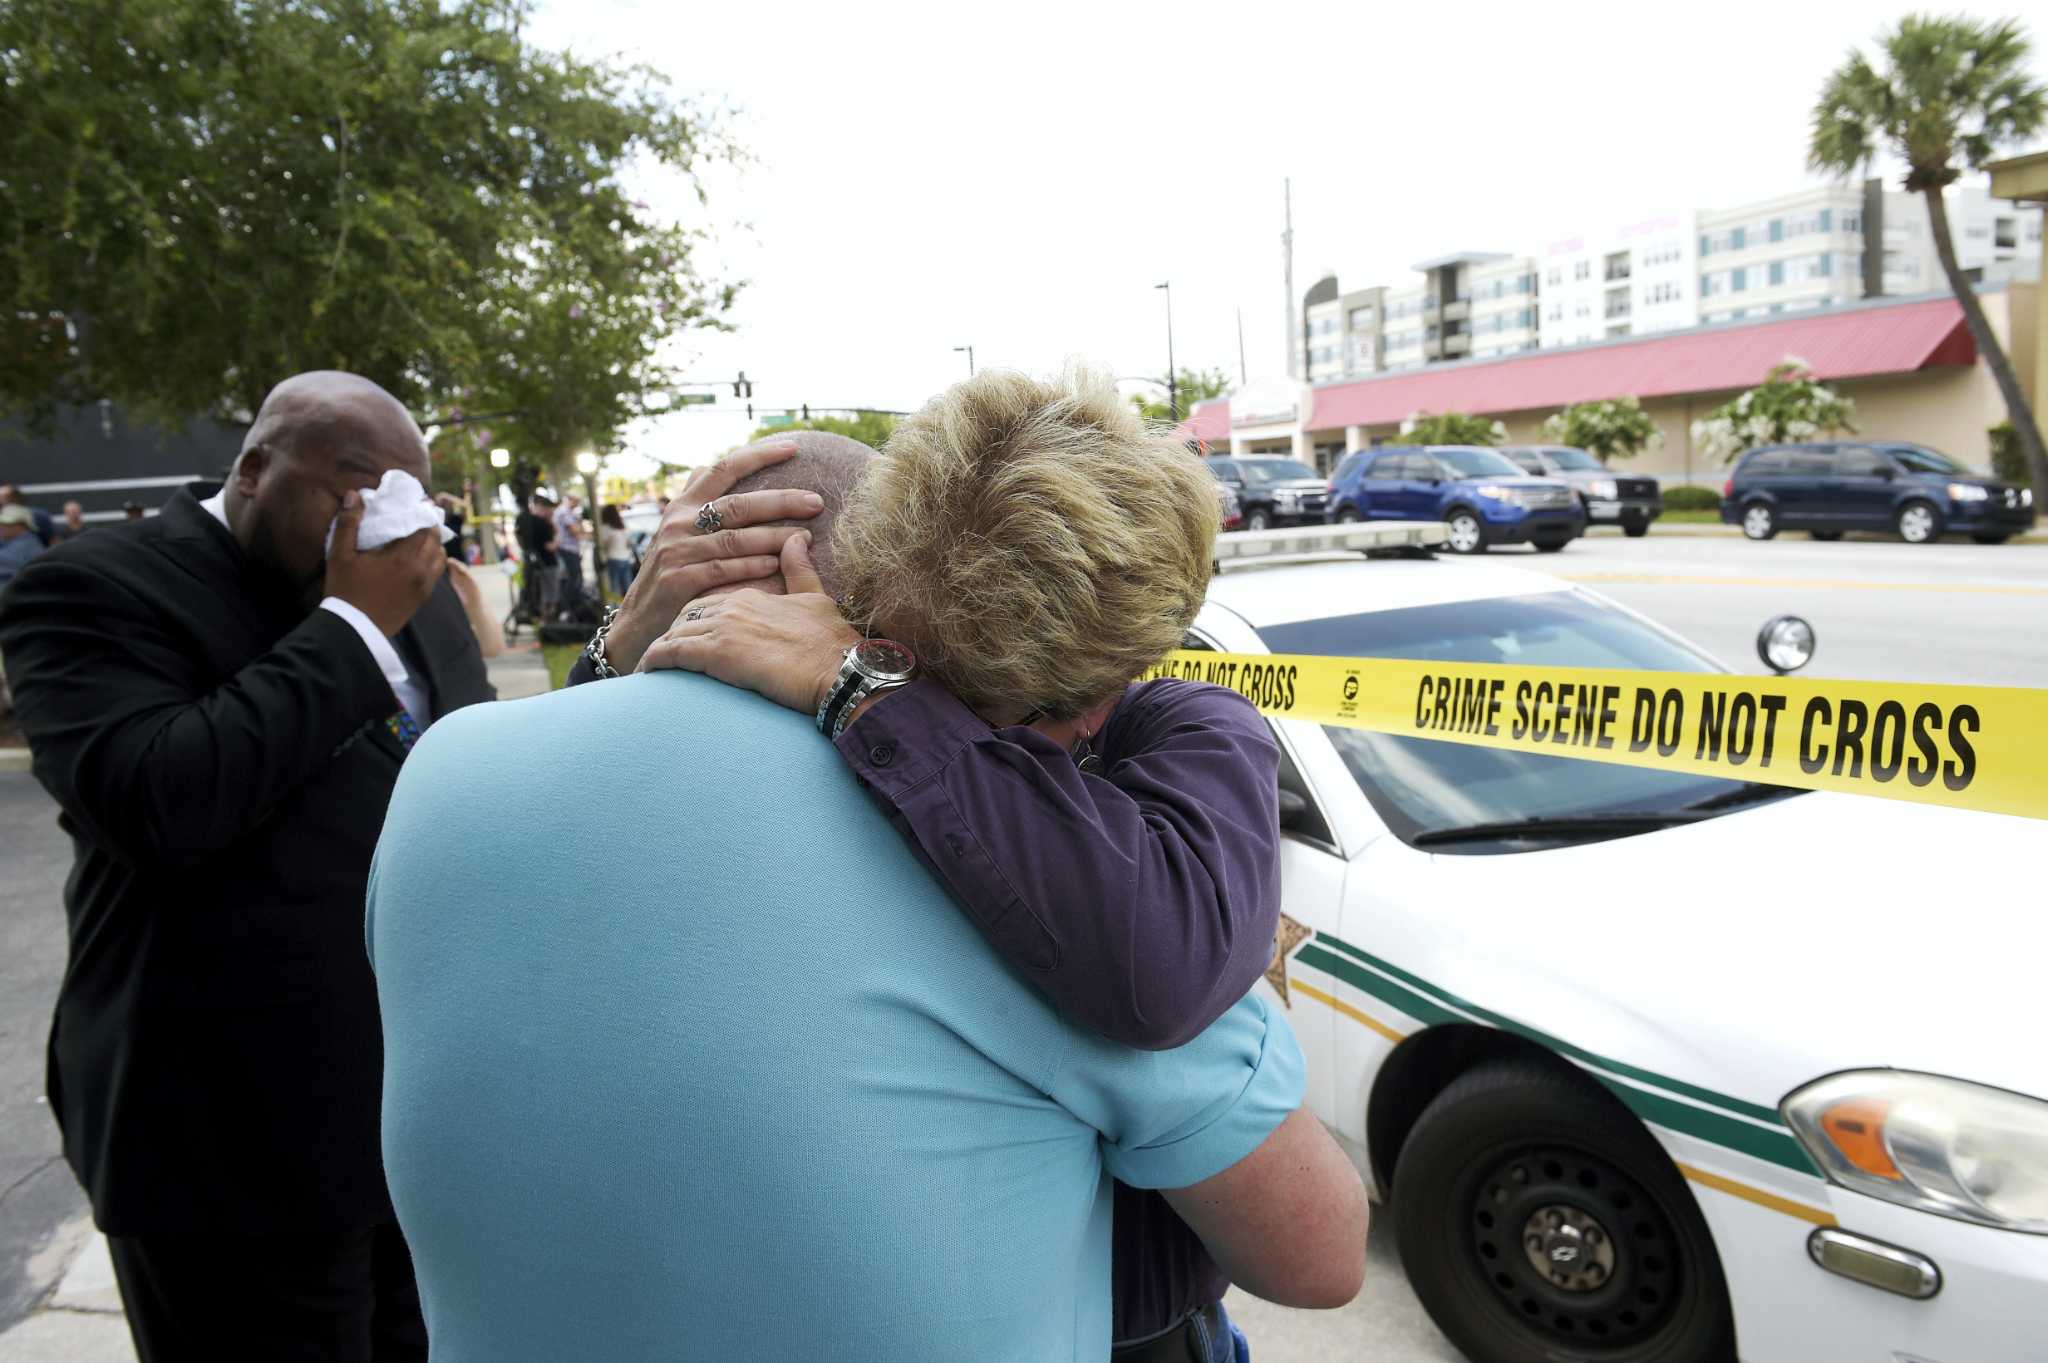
(709, 522)
(694, 613)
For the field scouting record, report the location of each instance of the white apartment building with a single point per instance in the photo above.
(1629, 281)
(1503, 301)
(1403, 326)
(1797, 251)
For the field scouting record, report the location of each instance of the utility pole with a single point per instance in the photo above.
(1287, 260)
(970, 357)
(1172, 375)
(1243, 377)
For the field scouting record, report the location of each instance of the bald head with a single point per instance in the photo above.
(318, 436)
(829, 465)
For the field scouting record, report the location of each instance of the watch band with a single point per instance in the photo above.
(837, 699)
(867, 690)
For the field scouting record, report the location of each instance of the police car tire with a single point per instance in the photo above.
(1489, 1115)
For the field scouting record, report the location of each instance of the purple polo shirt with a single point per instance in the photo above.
(1138, 891)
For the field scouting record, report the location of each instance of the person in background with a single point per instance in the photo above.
(613, 549)
(73, 524)
(535, 532)
(452, 516)
(220, 703)
(134, 511)
(40, 524)
(18, 542)
(569, 547)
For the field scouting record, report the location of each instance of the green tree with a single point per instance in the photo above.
(1946, 94)
(1611, 428)
(872, 429)
(1790, 404)
(199, 197)
(1195, 385)
(1451, 428)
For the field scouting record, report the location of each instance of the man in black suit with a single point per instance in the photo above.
(220, 708)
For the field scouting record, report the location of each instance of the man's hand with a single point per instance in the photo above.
(682, 563)
(390, 584)
(787, 648)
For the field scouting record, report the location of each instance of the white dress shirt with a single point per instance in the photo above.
(410, 693)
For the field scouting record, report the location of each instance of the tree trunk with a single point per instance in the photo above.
(2022, 417)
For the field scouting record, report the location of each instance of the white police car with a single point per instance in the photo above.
(1654, 1067)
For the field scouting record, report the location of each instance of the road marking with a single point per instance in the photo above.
(1757, 1195)
(1346, 1009)
(1809, 583)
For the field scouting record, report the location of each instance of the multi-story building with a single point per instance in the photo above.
(1818, 247)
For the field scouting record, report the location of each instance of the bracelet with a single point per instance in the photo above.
(594, 650)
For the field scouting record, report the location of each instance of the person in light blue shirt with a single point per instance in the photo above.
(725, 1075)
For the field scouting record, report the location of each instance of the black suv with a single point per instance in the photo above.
(1610, 498)
(1920, 494)
(1272, 490)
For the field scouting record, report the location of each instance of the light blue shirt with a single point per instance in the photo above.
(704, 1064)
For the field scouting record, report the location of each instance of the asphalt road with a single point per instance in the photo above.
(1881, 610)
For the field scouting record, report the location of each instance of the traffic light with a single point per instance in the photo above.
(807, 411)
(743, 387)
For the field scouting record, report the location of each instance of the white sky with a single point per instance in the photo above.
(1018, 177)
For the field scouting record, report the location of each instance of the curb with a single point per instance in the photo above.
(15, 759)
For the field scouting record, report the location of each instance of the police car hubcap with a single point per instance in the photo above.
(1578, 1251)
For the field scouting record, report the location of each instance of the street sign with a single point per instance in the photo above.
(695, 399)
(772, 420)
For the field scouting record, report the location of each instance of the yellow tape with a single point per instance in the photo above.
(1969, 747)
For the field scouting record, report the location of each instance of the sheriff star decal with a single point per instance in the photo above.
(1286, 938)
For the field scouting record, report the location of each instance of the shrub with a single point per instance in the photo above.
(2007, 462)
(1451, 428)
(1790, 404)
(1611, 428)
(1686, 497)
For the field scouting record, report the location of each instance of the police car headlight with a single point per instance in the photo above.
(1967, 492)
(1602, 489)
(1945, 1146)
(1495, 492)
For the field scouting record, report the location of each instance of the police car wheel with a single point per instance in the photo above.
(1536, 1218)
(1468, 536)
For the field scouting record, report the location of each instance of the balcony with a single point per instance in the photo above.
(1459, 344)
(1457, 311)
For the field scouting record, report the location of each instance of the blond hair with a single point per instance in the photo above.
(1035, 542)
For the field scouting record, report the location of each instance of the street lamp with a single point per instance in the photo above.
(1172, 378)
(501, 459)
(586, 463)
(970, 357)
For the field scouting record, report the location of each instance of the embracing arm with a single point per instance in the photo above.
(154, 768)
(1143, 899)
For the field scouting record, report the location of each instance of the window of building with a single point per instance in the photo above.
(1706, 244)
(1851, 222)
(1777, 272)
(2007, 238)
(1617, 304)
(1361, 319)
(1619, 329)
(1617, 266)
(1738, 279)
(1583, 270)
(1777, 229)
(1736, 238)
(1556, 313)
(1585, 309)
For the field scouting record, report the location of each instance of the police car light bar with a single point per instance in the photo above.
(1240, 545)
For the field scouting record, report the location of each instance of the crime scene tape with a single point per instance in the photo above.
(1968, 747)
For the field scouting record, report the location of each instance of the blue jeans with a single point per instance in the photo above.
(1229, 1347)
(620, 571)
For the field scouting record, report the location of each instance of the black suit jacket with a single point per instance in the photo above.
(222, 762)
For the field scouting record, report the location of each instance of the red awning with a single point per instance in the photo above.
(1210, 422)
(1850, 343)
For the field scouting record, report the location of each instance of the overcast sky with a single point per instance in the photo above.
(1018, 176)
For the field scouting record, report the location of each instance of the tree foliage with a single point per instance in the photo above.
(1195, 385)
(1789, 405)
(872, 429)
(1946, 93)
(1451, 428)
(199, 197)
(1610, 428)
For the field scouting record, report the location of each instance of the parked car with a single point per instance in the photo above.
(1483, 497)
(1831, 487)
(1648, 1061)
(1273, 490)
(1229, 511)
(1631, 501)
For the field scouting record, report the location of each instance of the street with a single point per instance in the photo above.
(1948, 613)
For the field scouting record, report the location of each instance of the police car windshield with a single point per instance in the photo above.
(1477, 463)
(1428, 788)
(1274, 470)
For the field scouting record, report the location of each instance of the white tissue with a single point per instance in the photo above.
(398, 506)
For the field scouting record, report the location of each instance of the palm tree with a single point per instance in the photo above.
(1950, 90)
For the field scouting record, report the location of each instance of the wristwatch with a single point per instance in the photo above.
(871, 667)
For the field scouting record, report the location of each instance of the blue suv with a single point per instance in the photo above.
(1484, 498)
(1828, 488)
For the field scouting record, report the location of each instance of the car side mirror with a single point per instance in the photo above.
(1293, 810)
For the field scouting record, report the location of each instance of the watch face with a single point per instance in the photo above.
(884, 659)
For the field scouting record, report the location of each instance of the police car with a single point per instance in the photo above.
(1650, 1066)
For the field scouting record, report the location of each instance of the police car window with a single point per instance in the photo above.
(1423, 786)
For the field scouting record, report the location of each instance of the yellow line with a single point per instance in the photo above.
(1297, 987)
(1758, 1196)
(1814, 583)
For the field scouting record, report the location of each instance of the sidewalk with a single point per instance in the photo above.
(80, 1322)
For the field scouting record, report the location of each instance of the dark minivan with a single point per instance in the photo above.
(1836, 486)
